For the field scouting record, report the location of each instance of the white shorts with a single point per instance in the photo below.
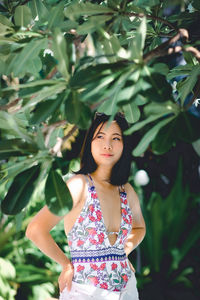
(89, 292)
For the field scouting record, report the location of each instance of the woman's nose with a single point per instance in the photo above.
(108, 146)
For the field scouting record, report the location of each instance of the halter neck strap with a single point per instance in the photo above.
(121, 188)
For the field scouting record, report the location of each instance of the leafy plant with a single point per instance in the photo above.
(49, 82)
(169, 239)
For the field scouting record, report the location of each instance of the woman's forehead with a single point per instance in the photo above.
(112, 127)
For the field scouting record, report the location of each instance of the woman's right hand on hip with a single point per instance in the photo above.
(66, 276)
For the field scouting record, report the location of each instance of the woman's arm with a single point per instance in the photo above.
(38, 231)
(138, 229)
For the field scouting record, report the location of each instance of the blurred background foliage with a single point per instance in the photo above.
(60, 61)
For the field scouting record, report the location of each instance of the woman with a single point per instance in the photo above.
(105, 223)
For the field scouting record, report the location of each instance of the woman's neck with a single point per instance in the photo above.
(102, 175)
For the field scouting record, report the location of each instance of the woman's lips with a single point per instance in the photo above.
(107, 155)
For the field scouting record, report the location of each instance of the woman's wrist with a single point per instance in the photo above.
(68, 265)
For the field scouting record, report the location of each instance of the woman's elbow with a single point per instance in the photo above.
(31, 231)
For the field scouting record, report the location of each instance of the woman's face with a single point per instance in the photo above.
(107, 144)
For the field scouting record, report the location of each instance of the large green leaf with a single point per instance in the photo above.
(85, 117)
(73, 108)
(46, 109)
(97, 87)
(179, 71)
(30, 84)
(56, 16)
(34, 66)
(160, 90)
(110, 105)
(14, 126)
(186, 86)
(45, 92)
(57, 195)
(84, 76)
(164, 108)
(16, 147)
(137, 44)
(38, 9)
(185, 127)
(150, 136)
(154, 111)
(60, 52)
(132, 112)
(22, 16)
(20, 191)
(20, 62)
(79, 9)
(5, 21)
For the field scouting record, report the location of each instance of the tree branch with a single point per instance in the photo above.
(194, 51)
(162, 50)
(9, 105)
(141, 15)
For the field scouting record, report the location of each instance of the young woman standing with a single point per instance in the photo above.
(105, 223)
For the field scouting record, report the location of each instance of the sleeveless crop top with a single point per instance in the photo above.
(95, 260)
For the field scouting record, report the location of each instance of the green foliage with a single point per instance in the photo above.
(60, 62)
(57, 195)
(7, 273)
(63, 60)
(168, 239)
(20, 191)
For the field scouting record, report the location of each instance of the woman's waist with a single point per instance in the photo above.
(108, 275)
(97, 255)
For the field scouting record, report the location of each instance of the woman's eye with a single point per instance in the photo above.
(99, 136)
(116, 139)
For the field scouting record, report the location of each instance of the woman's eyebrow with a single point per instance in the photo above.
(116, 133)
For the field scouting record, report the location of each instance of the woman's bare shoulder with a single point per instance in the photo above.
(131, 195)
(77, 187)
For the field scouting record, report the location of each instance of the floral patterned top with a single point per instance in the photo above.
(95, 260)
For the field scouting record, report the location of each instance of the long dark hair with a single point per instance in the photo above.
(121, 170)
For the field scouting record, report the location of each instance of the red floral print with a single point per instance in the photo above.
(80, 243)
(125, 201)
(114, 266)
(99, 215)
(94, 195)
(80, 268)
(125, 277)
(94, 266)
(91, 208)
(81, 219)
(93, 242)
(102, 266)
(124, 231)
(94, 280)
(92, 231)
(124, 211)
(92, 218)
(104, 285)
(101, 238)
